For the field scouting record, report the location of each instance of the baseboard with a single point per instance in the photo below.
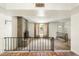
(62, 51)
(76, 52)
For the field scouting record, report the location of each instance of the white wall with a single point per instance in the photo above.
(14, 30)
(75, 33)
(14, 26)
(8, 26)
(2, 22)
(31, 29)
(52, 29)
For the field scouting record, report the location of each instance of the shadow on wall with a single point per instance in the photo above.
(26, 34)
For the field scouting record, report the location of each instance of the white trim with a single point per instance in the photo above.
(76, 52)
(42, 51)
(62, 51)
(29, 51)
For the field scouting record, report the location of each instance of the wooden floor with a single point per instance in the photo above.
(38, 54)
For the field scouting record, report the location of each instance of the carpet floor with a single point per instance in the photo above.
(38, 54)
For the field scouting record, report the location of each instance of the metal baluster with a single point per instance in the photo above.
(24, 43)
(8, 43)
(29, 44)
(37, 44)
(11, 43)
(40, 43)
(45, 44)
(23, 48)
(5, 43)
(32, 44)
(48, 43)
(32, 41)
(16, 44)
(53, 43)
(20, 43)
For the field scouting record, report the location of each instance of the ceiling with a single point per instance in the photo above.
(52, 11)
(48, 6)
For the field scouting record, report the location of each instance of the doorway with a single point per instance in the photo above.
(41, 30)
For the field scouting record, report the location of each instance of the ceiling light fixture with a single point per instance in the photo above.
(39, 5)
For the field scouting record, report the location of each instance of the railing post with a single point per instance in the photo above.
(52, 43)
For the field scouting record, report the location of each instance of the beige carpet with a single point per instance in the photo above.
(60, 44)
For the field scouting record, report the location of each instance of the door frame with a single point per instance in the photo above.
(47, 35)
